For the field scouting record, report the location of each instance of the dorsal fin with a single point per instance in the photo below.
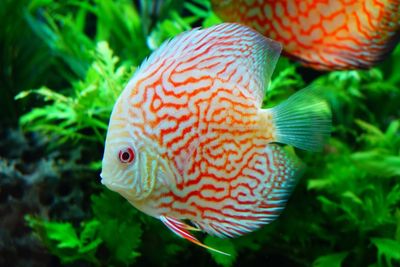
(229, 52)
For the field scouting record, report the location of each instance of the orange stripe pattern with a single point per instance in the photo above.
(195, 106)
(322, 34)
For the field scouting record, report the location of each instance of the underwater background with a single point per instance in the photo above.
(64, 63)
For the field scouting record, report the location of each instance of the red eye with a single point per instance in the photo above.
(126, 155)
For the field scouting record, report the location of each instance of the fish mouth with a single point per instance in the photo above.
(110, 184)
(103, 180)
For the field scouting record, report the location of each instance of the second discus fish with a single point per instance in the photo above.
(322, 34)
(188, 142)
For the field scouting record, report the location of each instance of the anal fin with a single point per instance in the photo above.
(287, 169)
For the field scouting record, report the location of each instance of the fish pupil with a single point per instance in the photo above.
(126, 155)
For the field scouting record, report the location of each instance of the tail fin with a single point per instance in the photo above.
(304, 120)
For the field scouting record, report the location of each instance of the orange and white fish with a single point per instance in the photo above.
(322, 34)
(188, 139)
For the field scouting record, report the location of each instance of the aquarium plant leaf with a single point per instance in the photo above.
(377, 162)
(63, 240)
(331, 260)
(87, 106)
(120, 228)
(388, 249)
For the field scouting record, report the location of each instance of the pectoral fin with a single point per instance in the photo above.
(182, 230)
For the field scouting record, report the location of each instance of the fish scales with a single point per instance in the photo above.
(186, 134)
(323, 34)
(188, 139)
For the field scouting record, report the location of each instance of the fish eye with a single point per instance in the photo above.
(126, 155)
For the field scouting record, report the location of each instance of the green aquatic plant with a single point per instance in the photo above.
(83, 112)
(172, 25)
(25, 61)
(63, 240)
(109, 227)
(110, 237)
(344, 211)
(68, 30)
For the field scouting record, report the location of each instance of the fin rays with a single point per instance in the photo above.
(181, 229)
(304, 120)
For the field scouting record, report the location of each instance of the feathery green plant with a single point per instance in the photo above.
(84, 113)
(113, 228)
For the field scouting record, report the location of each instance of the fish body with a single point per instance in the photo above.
(189, 140)
(322, 34)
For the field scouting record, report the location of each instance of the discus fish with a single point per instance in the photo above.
(322, 34)
(188, 139)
